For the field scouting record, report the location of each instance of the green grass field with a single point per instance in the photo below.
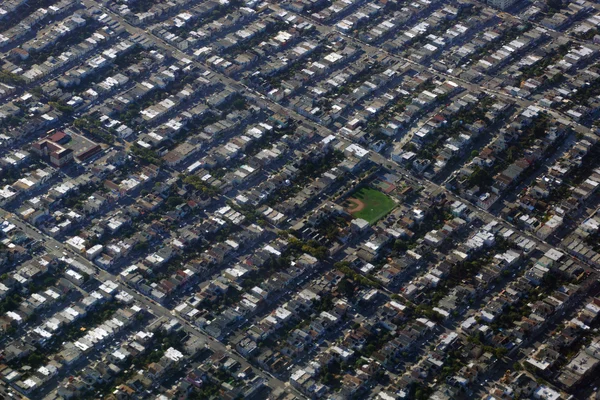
(377, 204)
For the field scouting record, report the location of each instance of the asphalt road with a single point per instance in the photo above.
(59, 249)
(471, 87)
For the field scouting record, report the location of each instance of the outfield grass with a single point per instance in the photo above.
(377, 204)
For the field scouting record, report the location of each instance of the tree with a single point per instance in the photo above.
(61, 107)
(10, 78)
(346, 287)
(199, 185)
(500, 352)
(479, 177)
(400, 245)
(326, 303)
(554, 5)
(35, 359)
(239, 103)
(517, 366)
(141, 246)
(146, 155)
(174, 201)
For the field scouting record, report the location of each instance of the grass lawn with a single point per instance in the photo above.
(376, 204)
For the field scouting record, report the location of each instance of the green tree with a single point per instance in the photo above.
(554, 5)
(35, 359)
(346, 288)
(174, 201)
(10, 78)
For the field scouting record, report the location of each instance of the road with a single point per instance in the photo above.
(175, 52)
(60, 249)
(485, 215)
(260, 99)
(158, 310)
(512, 196)
(472, 87)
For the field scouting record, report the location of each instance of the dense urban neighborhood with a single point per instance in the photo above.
(299, 199)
